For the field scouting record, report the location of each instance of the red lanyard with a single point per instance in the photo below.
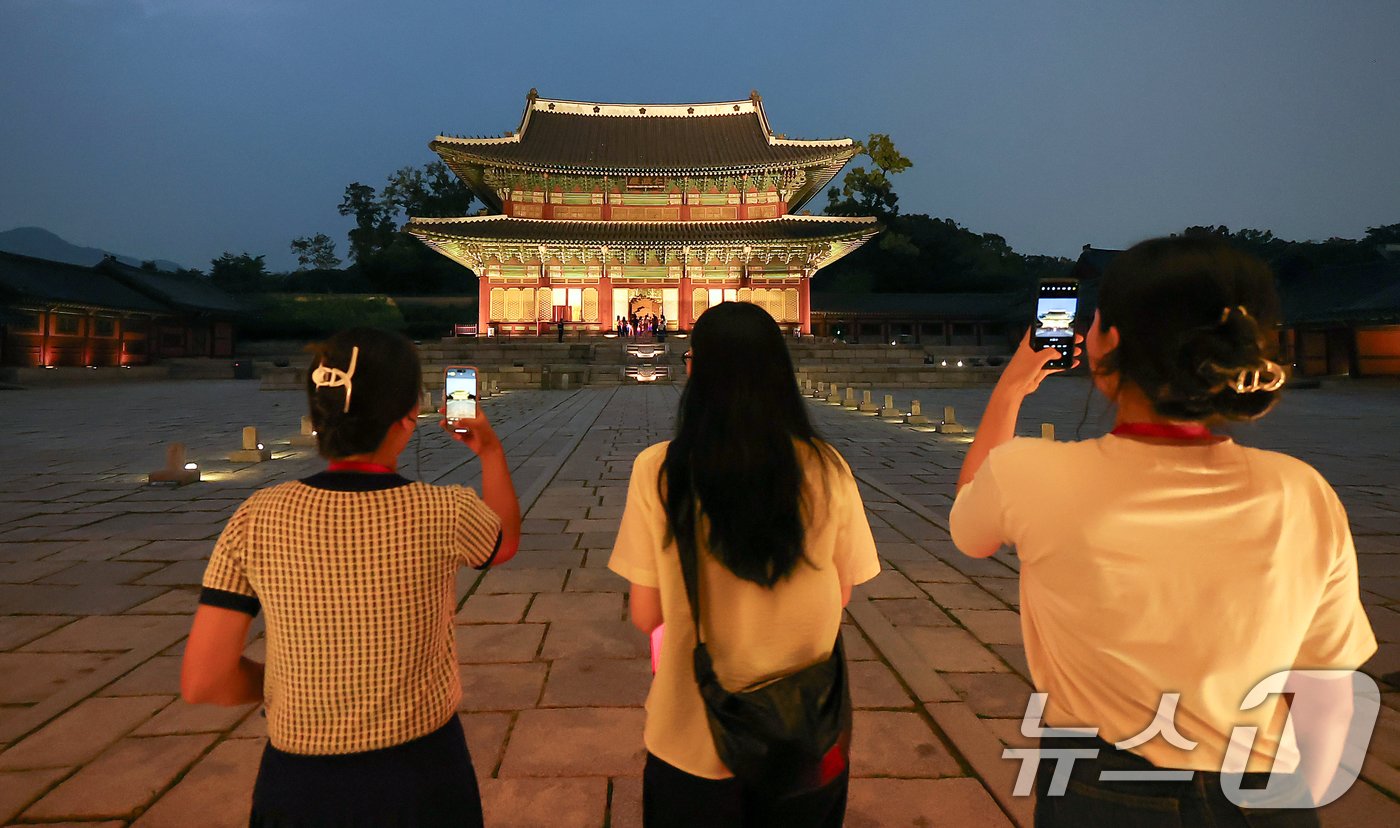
(354, 466)
(1166, 431)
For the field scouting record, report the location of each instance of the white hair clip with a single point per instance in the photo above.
(327, 377)
(1249, 380)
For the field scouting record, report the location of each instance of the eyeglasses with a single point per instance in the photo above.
(686, 356)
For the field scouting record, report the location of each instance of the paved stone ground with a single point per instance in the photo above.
(98, 577)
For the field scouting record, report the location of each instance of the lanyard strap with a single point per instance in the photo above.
(356, 466)
(1167, 431)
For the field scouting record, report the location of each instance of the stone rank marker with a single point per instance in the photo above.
(252, 451)
(176, 469)
(950, 424)
(867, 406)
(850, 400)
(307, 436)
(889, 412)
(915, 415)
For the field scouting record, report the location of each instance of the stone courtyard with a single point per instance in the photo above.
(99, 575)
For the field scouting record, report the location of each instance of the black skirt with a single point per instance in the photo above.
(428, 781)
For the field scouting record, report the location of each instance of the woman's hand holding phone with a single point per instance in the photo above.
(1027, 367)
(478, 435)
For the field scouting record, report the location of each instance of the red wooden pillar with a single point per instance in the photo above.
(606, 315)
(483, 304)
(804, 304)
(686, 305)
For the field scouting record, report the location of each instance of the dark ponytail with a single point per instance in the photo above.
(383, 388)
(1196, 320)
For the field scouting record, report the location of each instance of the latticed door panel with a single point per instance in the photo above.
(700, 302)
(590, 304)
(498, 304)
(791, 306)
(745, 295)
(513, 304)
(544, 306)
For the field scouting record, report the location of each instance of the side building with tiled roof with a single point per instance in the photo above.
(1341, 320)
(603, 211)
(55, 314)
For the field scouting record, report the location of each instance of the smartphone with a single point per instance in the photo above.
(1056, 303)
(459, 393)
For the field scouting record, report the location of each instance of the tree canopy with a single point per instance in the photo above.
(391, 260)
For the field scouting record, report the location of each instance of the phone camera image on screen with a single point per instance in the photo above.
(1053, 327)
(460, 393)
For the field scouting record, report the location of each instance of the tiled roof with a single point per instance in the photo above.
(26, 279)
(187, 292)
(510, 229)
(1351, 293)
(645, 138)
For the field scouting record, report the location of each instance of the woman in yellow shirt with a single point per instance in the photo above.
(780, 535)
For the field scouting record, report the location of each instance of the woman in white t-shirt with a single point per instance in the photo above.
(1165, 569)
(773, 516)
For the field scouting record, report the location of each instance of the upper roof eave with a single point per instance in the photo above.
(837, 159)
(557, 135)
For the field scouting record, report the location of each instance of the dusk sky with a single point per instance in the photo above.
(179, 129)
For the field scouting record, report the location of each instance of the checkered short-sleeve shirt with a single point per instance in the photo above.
(356, 573)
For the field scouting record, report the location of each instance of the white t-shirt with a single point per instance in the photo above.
(752, 633)
(1150, 568)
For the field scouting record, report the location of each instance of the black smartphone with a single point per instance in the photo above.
(459, 391)
(1056, 303)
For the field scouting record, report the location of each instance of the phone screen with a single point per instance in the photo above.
(460, 392)
(1055, 308)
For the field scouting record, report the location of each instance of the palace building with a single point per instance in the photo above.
(597, 210)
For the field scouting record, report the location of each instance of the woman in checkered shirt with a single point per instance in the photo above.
(356, 569)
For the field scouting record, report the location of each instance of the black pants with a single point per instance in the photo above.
(1089, 802)
(428, 782)
(672, 798)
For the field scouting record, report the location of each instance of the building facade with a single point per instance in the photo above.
(55, 314)
(598, 211)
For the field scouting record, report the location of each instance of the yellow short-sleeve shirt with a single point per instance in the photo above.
(753, 633)
(1191, 569)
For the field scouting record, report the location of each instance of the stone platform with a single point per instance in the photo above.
(99, 574)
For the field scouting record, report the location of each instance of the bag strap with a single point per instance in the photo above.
(691, 575)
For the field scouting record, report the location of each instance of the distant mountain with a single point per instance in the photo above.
(41, 244)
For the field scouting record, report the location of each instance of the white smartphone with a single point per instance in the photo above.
(459, 392)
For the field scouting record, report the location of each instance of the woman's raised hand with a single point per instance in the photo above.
(479, 436)
(1027, 366)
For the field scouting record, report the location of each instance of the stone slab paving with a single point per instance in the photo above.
(99, 574)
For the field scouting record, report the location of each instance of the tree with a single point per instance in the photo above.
(315, 252)
(430, 192)
(394, 261)
(869, 192)
(374, 222)
(240, 274)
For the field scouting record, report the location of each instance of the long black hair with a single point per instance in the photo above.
(384, 386)
(733, 470)
(1192, 313)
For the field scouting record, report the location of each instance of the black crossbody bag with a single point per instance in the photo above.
(774, 736)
